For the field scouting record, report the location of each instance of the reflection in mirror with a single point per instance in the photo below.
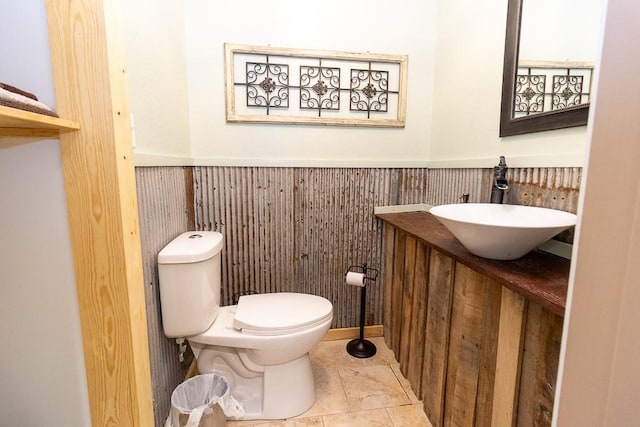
(550, 51)
(550, 86)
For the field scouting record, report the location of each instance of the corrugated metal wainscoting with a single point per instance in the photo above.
(164, 208)
(555, 188)
(299, 229)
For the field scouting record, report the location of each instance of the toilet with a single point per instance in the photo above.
(261, 345)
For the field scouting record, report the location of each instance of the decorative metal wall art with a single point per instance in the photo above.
(551, 86)
(296, 86)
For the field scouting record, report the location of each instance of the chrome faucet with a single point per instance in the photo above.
(499, 181)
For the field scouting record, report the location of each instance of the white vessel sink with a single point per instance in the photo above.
(502, 231)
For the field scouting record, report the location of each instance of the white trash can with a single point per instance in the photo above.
(202, 401)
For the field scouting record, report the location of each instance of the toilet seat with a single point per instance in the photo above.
(280, 313)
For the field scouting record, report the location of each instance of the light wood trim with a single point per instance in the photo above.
(27, 133)
(193, 369)
(402, 89)
(13, 119)
(314, 53)
(229, 79)
(555, 64)
(352, 333)
(508, 360)
(89, 76)
(329, 121)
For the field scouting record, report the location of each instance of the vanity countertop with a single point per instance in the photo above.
(539, 277)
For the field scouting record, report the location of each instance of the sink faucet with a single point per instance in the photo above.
(499, 181)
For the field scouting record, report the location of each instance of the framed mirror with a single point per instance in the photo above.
(552, 89)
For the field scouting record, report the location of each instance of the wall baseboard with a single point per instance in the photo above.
(351, 333)
(193, 369)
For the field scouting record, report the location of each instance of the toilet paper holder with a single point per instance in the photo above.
(370, 274)
(361, 347)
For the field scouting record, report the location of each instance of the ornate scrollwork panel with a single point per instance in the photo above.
(550, 86)
(265, 84)
(319, 88)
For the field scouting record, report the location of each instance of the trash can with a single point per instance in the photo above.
(203, 401)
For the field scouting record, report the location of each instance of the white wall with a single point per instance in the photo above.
(42, 368)
(41, 356)
(401, 27)
(555, 30)
(467, 98)
(455, 50)
(157, 81)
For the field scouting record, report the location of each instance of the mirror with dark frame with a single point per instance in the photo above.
(528, 103)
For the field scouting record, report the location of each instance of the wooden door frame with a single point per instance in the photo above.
(87, 53)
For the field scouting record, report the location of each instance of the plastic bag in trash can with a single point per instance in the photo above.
(200, 398)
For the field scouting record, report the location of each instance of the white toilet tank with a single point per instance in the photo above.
(189, 275)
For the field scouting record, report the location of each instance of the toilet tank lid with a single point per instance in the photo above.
(192, 246)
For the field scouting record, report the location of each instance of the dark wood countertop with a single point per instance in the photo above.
(540, 277)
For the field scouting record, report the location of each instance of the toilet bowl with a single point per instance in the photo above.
(261, 345)
(270, 374)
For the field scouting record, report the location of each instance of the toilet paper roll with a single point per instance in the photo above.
(355, 279)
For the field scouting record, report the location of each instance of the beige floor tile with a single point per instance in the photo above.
(374, 418)
(372, 387)
(409, 416)
(334, 353)
(354, 392)
(330, 395)
(406, 386)
(250, 423)
(293, 422)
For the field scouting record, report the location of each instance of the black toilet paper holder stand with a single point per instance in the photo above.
(361, 347)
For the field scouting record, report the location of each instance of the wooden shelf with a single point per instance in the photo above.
(14, 122)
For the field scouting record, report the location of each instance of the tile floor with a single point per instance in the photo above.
(355, 392)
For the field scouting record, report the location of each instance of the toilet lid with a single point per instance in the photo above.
(280, 312)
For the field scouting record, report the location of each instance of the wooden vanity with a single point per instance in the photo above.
(478, 339)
